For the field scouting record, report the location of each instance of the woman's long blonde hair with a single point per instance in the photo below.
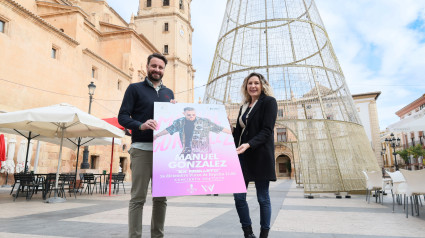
(265, 87)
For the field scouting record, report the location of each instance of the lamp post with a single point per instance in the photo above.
(393, 142)
(383, 149)
(85, 164)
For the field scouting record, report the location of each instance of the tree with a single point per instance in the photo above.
(404, 153)
(416, 151)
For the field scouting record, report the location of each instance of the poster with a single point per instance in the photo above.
(194, 152)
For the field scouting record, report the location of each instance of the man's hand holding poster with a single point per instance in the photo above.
(194, 152)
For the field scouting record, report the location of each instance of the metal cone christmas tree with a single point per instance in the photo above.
(286, 41)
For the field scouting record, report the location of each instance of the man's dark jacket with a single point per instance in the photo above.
(137, 108)
(258, 162)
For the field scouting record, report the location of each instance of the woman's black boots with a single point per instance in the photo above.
(264, 233)
(247, 232)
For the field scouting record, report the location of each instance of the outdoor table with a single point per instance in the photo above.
(386, 182)
(34, 181)
(102, 190)
(46, 183)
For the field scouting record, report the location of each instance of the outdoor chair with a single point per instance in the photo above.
(90, 181)
(373, 183)
(117, 179)
(49, 184)
(398, 186)
(120, 180)
(66, 181)
(414, 188)
(29, 184)
(72, 182)
(40, 183)
(113, 179)
(17, 177)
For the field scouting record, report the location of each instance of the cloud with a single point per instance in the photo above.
(378, 49)
(380, 45)
(206, 20)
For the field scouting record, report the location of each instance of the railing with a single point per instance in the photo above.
(417, 142)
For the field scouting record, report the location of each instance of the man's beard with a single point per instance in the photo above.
(151, 78)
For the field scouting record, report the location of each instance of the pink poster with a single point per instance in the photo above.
(194, 152)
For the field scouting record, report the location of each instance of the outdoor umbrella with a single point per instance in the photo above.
(9, 166)
(27, 134)
(61, 120)
(409, 124)
(71, 143)
(3, 163)
(23, 158)
(76, 143)
(2, 150)
(113, 121)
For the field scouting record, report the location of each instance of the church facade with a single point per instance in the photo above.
(52, 49)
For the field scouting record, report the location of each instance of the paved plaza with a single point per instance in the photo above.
(210, 216)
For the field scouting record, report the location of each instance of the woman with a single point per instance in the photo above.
(255, 146)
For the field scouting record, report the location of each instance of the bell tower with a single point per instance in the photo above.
(166, 23)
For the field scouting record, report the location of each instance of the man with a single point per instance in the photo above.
(136, 113)
(193, 131)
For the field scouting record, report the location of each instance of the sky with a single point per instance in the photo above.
(380, 45)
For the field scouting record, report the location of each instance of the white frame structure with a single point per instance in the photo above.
(286, 41)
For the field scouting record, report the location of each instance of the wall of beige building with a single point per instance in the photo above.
(92, 43)
(368, 113)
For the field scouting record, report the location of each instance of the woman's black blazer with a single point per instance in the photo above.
(258, 162)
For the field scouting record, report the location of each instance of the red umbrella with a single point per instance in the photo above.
(2, 149)
(113, 121)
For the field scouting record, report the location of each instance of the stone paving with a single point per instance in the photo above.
(210, 216)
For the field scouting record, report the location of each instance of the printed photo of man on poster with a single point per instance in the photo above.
(195, 153)
(194, 132)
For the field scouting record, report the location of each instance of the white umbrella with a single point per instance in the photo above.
(37, 155)
(412, 123)
(29, 136)
(71, 143)
(418, 125)
(74, 143)
(54, 120)
(22, 155)
(29, 154)
(9, 164)
(20, 158)
(62, 120)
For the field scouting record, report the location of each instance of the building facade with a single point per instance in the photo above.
(413, 113)
(368, 113)
(167, 24)
(416, 107)
(51, 50)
